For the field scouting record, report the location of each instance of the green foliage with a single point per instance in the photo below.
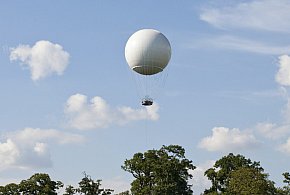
(88, 186)
(39, 183)
(211, 193)
(10, 189)
(163, 171)
(286, 178)
(285, 190)
(219, 174)
(70, 190)
(124, 193)
(248, 181)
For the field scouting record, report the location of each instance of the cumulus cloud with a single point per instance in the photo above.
(270, 15)
(283, 74)
(96, 113)
(29, 147)
(285, 147)
(272, 130)
(200, 182)
(228, 140)
(9, 153)
(42, 59)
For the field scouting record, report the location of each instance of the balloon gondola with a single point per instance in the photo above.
(147, 101)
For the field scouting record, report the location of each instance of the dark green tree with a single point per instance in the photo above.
(163, 171)
(219, 174)
(286, 178)
(10, 189)
(88, 186)
(285, 190)
(124, 193)
(70, 190)
(249, 181)
(39, 183)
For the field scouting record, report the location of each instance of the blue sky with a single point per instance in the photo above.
(69, 103)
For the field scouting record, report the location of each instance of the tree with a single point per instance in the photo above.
(124, 193)
(219, 174)
(163, 171)
(70, 190)
(88, 186)
(39, 183)
(9, 189)
(285, 190)
(286, 178)
(248, 181)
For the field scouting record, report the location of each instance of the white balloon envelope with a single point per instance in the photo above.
(147, 52)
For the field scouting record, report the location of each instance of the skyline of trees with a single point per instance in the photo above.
(165, 171)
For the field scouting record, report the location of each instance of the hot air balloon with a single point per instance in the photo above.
(147, 53)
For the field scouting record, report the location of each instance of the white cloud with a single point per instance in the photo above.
(283, 74)
(228, 140)
(269, 15)
(285, 147)
(42, 59)
(97, 113)
(272, 130)
(40, 148)
(118, 184)
(29, 148)
(241, 44)
(200, 182)
(32, 135)
(9, 153)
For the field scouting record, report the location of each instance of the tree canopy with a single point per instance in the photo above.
(219, 174)
(88, 186)
(39, 183)
(163, 171)
(285, 190)
(248, 180)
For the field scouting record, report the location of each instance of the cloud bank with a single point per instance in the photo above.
(42, 59)
(96, 113)
(228, 140)
(29, 148)
(269, 15)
